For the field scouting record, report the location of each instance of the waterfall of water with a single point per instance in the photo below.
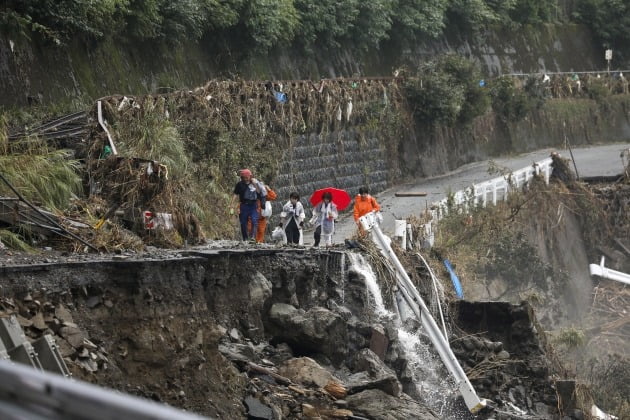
(362, 267)
(430, 383)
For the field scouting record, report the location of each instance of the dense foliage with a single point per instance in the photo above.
(446, 91)
(264, 24)
(609, 19)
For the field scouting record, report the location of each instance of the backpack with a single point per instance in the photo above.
(271, 194)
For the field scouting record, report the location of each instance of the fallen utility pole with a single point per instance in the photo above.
(410, 293)
(600, 270)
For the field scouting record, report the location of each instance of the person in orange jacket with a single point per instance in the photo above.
(363, 204)
(262, 218)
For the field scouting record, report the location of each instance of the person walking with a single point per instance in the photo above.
(264, 213)
(364, 203)
(324, 216)
(292, 217)
(248, 191)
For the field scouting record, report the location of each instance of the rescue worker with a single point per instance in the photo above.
(363, 204)
(248, 191)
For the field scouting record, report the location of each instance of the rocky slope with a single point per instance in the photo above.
(264, 333)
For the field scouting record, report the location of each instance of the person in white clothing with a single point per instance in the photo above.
(324, 216)
(293, 218)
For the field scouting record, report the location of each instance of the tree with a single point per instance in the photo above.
(326, 22)
(373, 23)
(270, 22)
(418, 17)
(609, 20)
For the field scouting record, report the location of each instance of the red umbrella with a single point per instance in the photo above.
(340, 197)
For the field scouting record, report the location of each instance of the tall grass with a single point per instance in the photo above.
(153, 136)
(46, 177)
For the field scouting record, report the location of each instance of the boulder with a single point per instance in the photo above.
(373, 374)
(379, 341)
(306, 371)
(376, 404)
(316, 331)
(258, 410)
(259, 290)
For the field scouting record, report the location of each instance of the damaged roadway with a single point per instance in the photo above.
(231, 330)
(264, 333)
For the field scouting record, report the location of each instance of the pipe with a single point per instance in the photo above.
(467, 391)
(601, 271)
(99, 107)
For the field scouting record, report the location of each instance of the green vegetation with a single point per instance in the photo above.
(609, 20)
(447, 91)
(260, 25)
(44, 176)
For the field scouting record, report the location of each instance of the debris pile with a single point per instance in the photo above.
(38, 316)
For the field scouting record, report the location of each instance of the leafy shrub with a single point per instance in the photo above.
(447, 91)
(270, 23)
(508, 102)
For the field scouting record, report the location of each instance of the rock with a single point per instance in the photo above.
(199, 339)
(38, 321)
(337, 413)
(73, 335)
(259, 290)
(93, 301)
(376, 404)
(63, 314)
(235, 335)
(316, 331)
(379, 341)
(64, 347)
(89, 345)
(258, 410)
(373, 374)
(24, 323)
(309, 411)
(306, 371)
(503, 355)
(108, 304)
(237, 352)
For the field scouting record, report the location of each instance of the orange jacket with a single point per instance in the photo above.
(363, 207)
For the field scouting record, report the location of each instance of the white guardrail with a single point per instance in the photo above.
(486, 192)
(26, 393)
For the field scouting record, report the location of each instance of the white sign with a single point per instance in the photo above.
(608, 54)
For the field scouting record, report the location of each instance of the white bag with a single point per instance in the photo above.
(278, 234)
(266, 212)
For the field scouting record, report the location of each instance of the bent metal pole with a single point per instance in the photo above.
(473, 402)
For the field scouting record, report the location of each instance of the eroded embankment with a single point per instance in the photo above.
(300, 322)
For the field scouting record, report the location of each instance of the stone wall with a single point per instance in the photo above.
(341, 159)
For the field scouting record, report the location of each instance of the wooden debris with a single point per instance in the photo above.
(259, 369)
(336, 389)
(339, 413)
(410, 194)
(297, 390)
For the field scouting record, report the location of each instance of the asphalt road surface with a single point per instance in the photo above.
(590, 161)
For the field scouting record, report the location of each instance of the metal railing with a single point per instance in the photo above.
(26, 393)
(485, 192)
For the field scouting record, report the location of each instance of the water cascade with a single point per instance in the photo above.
(428, 382)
